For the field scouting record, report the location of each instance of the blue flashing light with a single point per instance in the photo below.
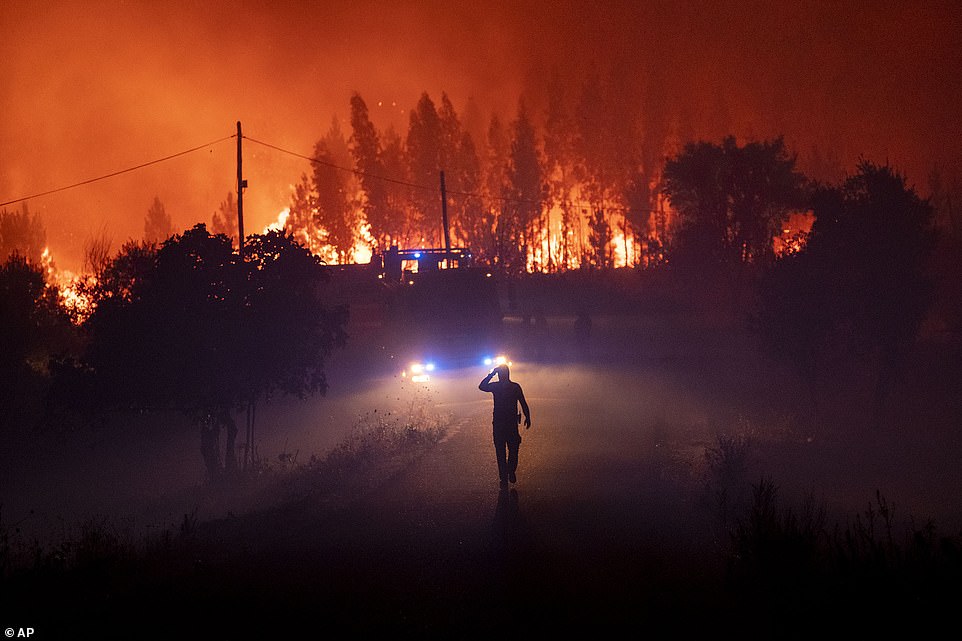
(417, 254)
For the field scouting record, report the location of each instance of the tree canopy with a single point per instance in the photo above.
(859, 288)
(157, 224)
(731, 200)
(22, 233)
(190, 325)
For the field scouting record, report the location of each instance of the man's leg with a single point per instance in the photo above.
(512, 462)
(500, 445)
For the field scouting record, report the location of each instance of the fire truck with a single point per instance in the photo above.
(420, 312)
(445, 311)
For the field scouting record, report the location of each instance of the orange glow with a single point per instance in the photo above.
(278, 225)
(74, 299)
(362, 245)
(106, 86)
(794, 234)
(361, 251)
(70, 288)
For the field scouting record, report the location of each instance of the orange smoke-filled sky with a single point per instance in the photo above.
(89, 88)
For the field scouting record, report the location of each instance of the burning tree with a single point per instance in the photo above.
(558, 145)
(588, 189)
(423, 150)
(369, 161)
(521, 214)
(325, 211)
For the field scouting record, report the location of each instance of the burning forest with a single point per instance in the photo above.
(712, 251)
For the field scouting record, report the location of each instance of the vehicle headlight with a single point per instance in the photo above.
(419, 372)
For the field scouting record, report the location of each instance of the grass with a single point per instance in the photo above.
(379, 446)
(791, 574)
(788, 573)
(98, 571)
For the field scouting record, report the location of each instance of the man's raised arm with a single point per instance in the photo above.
(483, 386)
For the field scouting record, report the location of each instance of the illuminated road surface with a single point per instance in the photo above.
(595, 527)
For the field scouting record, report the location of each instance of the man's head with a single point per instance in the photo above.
(503, 373)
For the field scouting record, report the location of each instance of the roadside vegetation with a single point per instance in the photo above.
(860, 314)
(98, 571)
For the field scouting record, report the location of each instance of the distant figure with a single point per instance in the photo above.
(541, 335)
(506, 418)
(210, 444)
(583, 333)
(527, 334)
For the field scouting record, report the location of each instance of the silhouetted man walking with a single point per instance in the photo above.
(507, 439)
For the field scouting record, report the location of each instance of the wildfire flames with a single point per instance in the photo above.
(316, 242)
(794, 234)
(70, 287)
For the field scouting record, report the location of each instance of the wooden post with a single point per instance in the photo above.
(444, 215)
(241, 184)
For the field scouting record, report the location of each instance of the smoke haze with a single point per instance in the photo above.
(90, 88)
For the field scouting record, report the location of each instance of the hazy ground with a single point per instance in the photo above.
(612, 498)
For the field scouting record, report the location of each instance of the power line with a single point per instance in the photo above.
(356, 172)
(580, 205)
(117, 173)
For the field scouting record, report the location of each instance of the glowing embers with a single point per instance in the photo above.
(419, 372)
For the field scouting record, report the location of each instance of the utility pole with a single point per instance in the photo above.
(249, 451)
(241, 184)
(444, 215)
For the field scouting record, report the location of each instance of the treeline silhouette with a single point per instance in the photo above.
(187, 323)
(193, 325)
(583, 184)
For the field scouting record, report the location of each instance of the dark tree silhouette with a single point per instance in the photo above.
(861, 286)
(190, 326)
(559, 157)
(524, 194)
(365, 144)
(474, 227)
(224, 220)
(22, 233)
(449, 125)
(731, 200)
(639, 197)
(327, 206)
(423, 146)
(334, 190)
(396, 169)
(157, 225)
(462, 175)
(495, 180)
(97, 252)
(286, 330)
(32, 325)
(607, 151)
(599, 240)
